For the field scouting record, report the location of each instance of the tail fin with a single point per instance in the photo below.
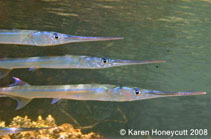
(18, 82)
(21, 101)
(4, 72)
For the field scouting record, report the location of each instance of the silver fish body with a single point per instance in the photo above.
(67, 62)
(24, 93)
(7, 131)
(64, 62)
(44, 38)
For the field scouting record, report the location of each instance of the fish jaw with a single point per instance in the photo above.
(148, 94)
(71, 38)
(116, 63)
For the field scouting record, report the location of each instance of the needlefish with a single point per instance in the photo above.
(64, 62)
(44, 38)
(7, 130)
(23, 93)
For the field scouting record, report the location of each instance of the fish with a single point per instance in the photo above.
(7, 130)
(44, 38)
(23, 92)
(64, 62)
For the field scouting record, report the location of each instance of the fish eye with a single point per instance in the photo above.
(56, 36)
(105, 60)
(137, 91)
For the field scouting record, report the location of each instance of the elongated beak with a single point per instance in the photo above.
(70, 38)
(165, 94)
(131, 62)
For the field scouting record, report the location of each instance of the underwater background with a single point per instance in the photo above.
(175, 31)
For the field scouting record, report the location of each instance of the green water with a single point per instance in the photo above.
(175, 31)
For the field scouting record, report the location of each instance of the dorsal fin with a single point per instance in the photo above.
(18, 82)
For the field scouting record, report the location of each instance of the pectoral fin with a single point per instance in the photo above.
(55, 100)
(33, 69)
(21, 102)
(4, 73)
